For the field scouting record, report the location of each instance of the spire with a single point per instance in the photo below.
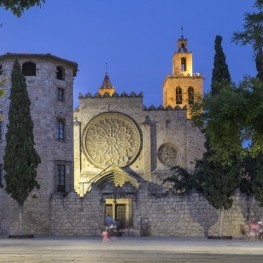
(106, 87)
(106, 84)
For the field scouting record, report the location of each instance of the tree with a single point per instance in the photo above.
(253, 35)
(17, 7)
(21, 159)
(218, 182)
(220, 74)
(257, 184)
(182, 181)
(218, 172)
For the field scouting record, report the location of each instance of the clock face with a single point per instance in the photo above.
(111, 138)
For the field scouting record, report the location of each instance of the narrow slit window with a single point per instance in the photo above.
(179, 96)
(61, 176)
(60, 94)
(183, 64)
(60, 129)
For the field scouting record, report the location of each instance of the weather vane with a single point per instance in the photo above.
(182, 30)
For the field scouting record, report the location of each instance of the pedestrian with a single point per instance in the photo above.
(105, 235)
(108, 220)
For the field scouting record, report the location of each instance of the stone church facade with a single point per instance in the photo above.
(111, 154)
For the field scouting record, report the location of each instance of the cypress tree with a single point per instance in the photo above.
(220, 74)
(21, 159)
(218, 171)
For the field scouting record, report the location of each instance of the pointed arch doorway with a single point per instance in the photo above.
(119, 191)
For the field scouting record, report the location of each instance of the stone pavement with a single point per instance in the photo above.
(129, 250)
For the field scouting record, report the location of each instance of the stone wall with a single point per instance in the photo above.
(77, 216)
(168, 215)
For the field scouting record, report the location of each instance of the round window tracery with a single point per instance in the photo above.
(167, 154)
(111, 138)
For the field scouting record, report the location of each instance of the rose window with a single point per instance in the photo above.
(167, 154)
(111, 138)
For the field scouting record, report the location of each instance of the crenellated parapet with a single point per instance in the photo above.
(162, 108)
(114, 95)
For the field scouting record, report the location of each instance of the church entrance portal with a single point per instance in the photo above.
(120, 210)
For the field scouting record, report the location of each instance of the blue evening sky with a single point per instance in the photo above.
(136, 38)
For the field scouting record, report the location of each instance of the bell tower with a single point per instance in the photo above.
(183, 86)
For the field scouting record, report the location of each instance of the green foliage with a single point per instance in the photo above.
(220, 75)
(20, 159)
(181, 179)
(252, 176)
(2, 82)
(257, 184)
(17, 7)
(253, 35)
(217, 181)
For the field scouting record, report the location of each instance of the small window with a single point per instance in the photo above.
(29, 69)
(168, 124)
(61, 176)
(190, 95)
(60, 129)
(60, 94)
(1, 175)
(60, 73)
(183, 64)
(179, 96)
(1, 70)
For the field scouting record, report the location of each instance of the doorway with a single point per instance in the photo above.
(120, 210)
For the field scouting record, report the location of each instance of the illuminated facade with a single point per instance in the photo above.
(110, 156)
(183, 87)
(118, 141)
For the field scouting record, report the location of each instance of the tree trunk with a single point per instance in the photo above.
(20, 218)
(221, 222)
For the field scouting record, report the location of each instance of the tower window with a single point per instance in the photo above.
(60, 73)
(29, 69)
(60, 129)
(60, 94)
(179, 96)
(183, 64)
(61, 176)
(190, 95)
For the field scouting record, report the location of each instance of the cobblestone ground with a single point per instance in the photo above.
(129, 250)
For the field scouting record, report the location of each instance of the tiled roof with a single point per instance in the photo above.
(46, 56)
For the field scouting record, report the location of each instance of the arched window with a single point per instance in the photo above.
(60, 73)
(179, 96)
(183, 64)
(29, 69)
(190, 95)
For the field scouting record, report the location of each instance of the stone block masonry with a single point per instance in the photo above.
(169, 215)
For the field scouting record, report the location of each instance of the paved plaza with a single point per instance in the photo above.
(129, 250)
